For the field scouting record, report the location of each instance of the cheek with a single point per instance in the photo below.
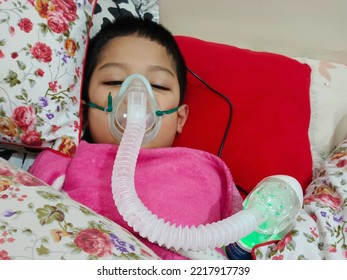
(166, 101)
(166, 133)
(98, 127)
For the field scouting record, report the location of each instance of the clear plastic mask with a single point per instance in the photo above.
(117, 108)
(118, 117)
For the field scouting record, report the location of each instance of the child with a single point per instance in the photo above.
(184, 186)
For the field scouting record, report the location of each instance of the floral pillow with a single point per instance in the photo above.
(38, 222)
(42, 49)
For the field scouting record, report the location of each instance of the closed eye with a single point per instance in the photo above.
(113, 83)
(159, 87)
(116, 83)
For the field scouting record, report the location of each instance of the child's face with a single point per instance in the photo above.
(121, 57)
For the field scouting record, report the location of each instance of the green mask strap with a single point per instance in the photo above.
(166, 112)
(110, 108)
(109, 105)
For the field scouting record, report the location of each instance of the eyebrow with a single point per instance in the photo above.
(152, 68)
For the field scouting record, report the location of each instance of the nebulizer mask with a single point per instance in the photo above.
(117, 108)
(270, 208)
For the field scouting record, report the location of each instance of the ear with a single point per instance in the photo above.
(182, 116)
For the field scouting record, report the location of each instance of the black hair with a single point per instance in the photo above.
(143, 28)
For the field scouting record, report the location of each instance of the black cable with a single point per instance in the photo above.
(119, 10)
(226, 132)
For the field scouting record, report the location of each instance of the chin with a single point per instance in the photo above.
(153, 145)
(104, 140)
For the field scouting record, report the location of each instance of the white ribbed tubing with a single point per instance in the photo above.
(148, 225)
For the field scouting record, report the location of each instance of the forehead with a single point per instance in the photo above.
(134, 48)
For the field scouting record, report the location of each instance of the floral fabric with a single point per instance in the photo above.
(320, 231)
(37, 222)
(42, 45)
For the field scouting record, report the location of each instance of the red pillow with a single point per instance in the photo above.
(271, 111)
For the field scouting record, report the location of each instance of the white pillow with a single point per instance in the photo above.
(328, 125)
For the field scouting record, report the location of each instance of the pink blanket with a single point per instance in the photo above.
(182, 185)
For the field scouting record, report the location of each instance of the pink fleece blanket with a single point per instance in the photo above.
(182, 185)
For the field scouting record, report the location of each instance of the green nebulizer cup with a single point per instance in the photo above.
(279, 198)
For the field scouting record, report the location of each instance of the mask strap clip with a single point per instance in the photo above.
(109, 107)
